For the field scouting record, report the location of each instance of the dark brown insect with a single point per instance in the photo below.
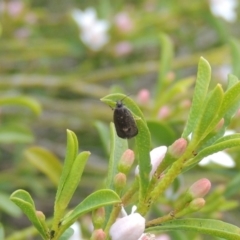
(124, 122)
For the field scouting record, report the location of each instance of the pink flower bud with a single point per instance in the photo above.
(178, 147)
(130, 227)
(143, 96)
(124, 22)
(120, 181)
(164, 112)
(196, 204)
(200, 188)
(98, 234)
(40, 215)
(126, 161)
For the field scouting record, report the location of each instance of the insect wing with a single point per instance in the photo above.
(124, 122)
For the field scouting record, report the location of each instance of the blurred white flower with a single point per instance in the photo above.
(129, 227)
(93, 31)
(77, 235)
(156, 156)
(225, 9)
(220, 158)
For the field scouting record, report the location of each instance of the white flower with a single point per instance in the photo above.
(93, 31)
(77, 235)
(220, 158)
(129, 227)
(224, 9)
(156, 156)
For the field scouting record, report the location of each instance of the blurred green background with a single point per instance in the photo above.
(52, 80)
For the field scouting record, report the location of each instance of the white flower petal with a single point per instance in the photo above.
(156, 156)
(224, 9)
(93, 31)
(130, 227)
(77, 235)
(220, 158)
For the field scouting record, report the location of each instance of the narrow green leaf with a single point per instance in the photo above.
(232, 80)
(103, 132)
(67, 234)
(213, 136)
(200, 92)
(231, 98)
(117, 147)
(45, 161)
(161, 133)
(23, 101)
(235, 53)
(23, 200)
(71, 153)
(143, 142)
(222, 145)
(72, 181)
(211, 227)
(207, 122)
(96, 200)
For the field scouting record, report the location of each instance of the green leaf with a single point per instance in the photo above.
(213, 136)
(23, 200)
(218, 146)
(72, 181)
(67, 234)
(211, 227)
(207, 121)
(235, 53)
(45, 161)
(231, 98)
(22, 101)
(161, 133)
(143, 143)
(117, 147)
(200, 92)
(96, 200)
(71, 154)
(15, 133)
(103, 132)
